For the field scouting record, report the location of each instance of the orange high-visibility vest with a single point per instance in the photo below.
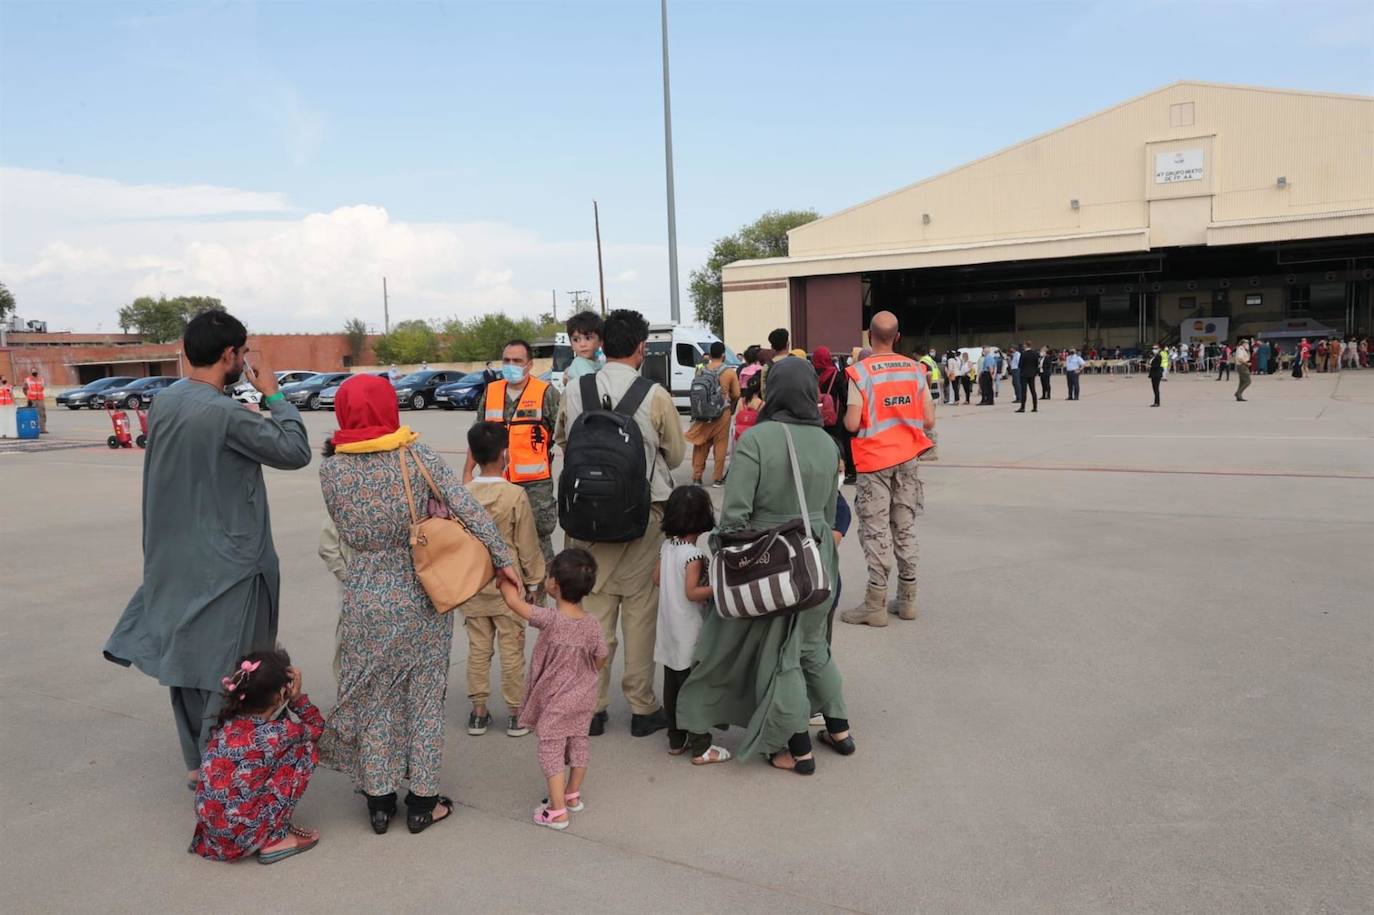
(33, 388)
(529, 437)
(892, 421)
(6, 396)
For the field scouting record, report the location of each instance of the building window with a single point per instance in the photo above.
(348, 362)
(1182, 115)
(1299, 301)
(1221, 303)
(1187, 303)
(1254, 299)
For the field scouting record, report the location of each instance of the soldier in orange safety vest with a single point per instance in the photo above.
(8, 421)
(890, 413)
(528, 408)
(34, 391)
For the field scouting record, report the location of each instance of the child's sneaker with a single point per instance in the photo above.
(572, 802)
(478, 724)
(513, 728)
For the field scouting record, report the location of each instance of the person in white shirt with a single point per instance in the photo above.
(1073, 367)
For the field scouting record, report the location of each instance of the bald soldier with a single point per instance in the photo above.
(890, 411)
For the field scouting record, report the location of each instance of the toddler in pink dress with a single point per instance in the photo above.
(561, 688)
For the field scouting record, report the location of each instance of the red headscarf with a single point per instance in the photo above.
(366, 408)
(825, 366)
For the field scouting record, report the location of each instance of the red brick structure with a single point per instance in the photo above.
(68, 360)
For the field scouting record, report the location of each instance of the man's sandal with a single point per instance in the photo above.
(546, 817)
(572, 801)
(712, 756)
(311, 840)
(417, 821)
(799, 766)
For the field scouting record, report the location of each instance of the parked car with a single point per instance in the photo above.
(464, 394)
(80, 397)
(306, 393)
(134, 395)
(328, 394)
(416, 390)
(244, 392)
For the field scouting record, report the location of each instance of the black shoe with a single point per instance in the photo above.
(644, 725)
(598, 726)
(421, 816)
(380, 810)
(381, 820)
(478, 724)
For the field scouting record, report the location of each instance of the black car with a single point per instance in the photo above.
(416, 390)
(306, 394)
(137, 393)
(80, 397)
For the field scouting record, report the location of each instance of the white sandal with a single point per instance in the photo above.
(721, 755)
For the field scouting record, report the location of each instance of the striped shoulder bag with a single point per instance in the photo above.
(756, 574)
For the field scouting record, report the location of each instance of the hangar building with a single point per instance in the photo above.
(1194, 201)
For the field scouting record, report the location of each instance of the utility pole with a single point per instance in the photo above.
(579, 300)
(386, 309)
(668, 165)
(600, 274)
(554, 294)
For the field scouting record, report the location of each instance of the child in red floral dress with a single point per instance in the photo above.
(257, 764)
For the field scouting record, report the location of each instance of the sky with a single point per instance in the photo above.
(286, 156)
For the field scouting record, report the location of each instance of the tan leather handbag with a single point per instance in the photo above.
(450, 562)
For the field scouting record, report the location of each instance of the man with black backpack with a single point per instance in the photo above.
(714, 393)
(621, 438)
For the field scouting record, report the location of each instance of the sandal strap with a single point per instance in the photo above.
(549, 813)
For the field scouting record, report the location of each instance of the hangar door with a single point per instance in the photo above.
(827, 311)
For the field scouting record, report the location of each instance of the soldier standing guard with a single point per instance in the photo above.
(528, 408)
(889, 413)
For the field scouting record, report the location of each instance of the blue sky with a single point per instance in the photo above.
(457, 146)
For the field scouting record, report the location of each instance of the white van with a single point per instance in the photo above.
(673, 353)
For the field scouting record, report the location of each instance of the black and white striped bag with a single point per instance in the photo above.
(755, 574)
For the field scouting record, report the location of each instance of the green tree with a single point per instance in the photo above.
(409, 342)
(764, 237)
(355, 330)
(6, 301)
(480, 339)
(162, 320)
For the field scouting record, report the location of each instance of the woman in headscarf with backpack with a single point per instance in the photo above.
(834, 397)
(715, 388)
(767, 675)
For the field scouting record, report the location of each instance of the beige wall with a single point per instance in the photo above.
(751, 313)
(1322, 144)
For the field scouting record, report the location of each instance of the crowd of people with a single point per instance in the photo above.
(205, 620)
(642, 563)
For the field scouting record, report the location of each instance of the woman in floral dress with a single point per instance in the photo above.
(388, 725)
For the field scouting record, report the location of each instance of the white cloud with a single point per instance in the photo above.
(73, 249)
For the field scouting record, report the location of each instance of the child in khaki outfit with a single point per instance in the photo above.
(485, 616)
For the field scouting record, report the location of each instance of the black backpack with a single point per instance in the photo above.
(603, 489)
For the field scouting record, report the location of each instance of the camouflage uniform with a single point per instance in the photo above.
(887, 505)
(541, 493)
(545, 506)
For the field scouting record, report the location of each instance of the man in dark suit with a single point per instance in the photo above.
(1030, 371)
(1156, 369)
(1047, 360)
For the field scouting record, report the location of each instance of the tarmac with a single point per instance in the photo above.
(1140, 681)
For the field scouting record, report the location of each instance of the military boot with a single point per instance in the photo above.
(904, 604)
(871, 612)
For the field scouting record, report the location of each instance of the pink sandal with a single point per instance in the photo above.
(546, 817)
(572, 801)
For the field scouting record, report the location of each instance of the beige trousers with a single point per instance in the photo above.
(484, 633)
(626, 594)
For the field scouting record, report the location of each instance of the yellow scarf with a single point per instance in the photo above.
(390, 442)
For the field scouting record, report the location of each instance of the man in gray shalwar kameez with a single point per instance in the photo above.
(211, 579)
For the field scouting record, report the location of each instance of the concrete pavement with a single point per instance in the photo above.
(1140, 682)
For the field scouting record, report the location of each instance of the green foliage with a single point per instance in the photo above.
(409, 342)
(764, 237)
(6, 301)
(355, 330)
(480, 339)
(163, 320)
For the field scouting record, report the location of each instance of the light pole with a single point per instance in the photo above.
(668, 165)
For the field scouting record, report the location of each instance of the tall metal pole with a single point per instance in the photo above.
(554, 293)
(668, 165)
(386, 309)
(600, 274)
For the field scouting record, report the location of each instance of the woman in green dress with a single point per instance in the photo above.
(769, 675)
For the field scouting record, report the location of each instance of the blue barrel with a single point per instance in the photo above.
(27, 418)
